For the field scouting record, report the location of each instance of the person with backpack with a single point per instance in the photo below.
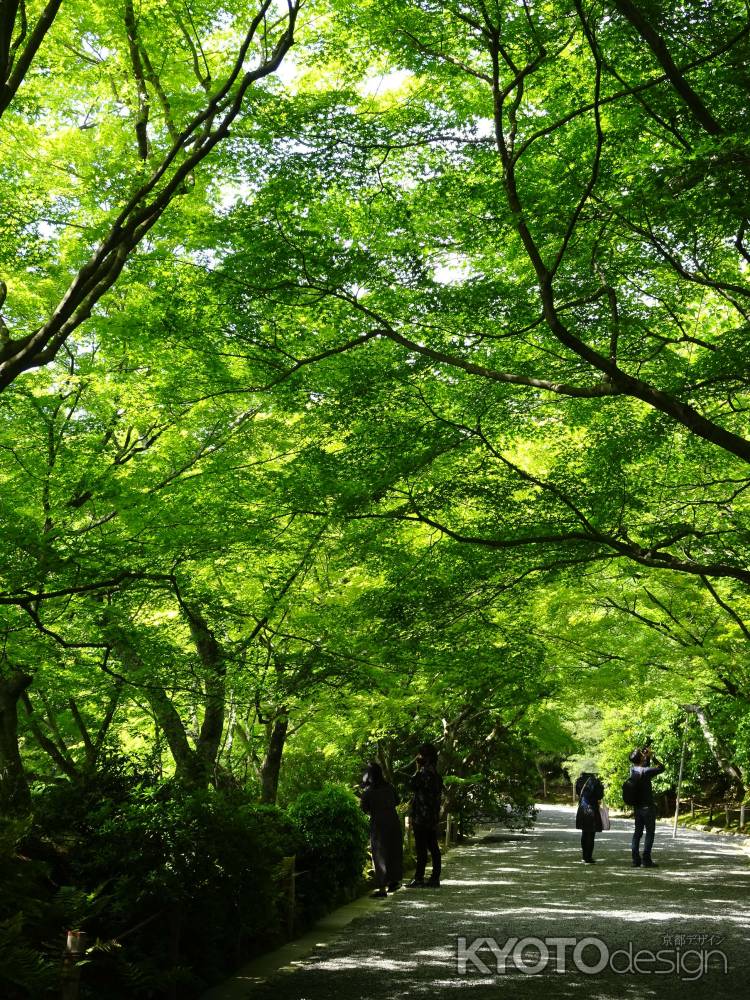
(590, 792)
(637, 792)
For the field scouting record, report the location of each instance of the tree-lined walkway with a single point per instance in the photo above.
(533, 885)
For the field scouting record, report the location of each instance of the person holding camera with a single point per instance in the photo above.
(644, 767)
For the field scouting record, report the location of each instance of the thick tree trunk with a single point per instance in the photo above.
(14, 788)
(188, 770)
(214, 705)
(194, 766)
(214, 667)
(271, 766)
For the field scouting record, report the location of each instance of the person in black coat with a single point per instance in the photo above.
(427, 790)
(590, 792)
(379, 801)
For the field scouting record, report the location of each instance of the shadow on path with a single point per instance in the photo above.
(694, 909)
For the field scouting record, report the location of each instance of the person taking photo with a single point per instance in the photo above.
(644, 767)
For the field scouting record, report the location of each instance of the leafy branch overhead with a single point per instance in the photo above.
(171, 173)
(371, 373)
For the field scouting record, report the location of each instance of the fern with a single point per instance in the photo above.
(21, 965)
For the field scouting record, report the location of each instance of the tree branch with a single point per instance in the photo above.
(658, 46)
(12, 73)
(146, 206)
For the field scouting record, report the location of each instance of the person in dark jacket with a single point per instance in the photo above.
(644, 767)
(590, 792)
(379, 801)
(427, 790)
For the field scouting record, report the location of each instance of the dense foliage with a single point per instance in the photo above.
(369, 373)
(173, 889)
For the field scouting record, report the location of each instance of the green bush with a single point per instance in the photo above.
(186, 885)
(63, 805)
(335, 833)
(310, 770)
(174, 888)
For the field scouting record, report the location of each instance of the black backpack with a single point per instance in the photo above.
(631, 790)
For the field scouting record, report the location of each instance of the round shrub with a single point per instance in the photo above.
(334, 832)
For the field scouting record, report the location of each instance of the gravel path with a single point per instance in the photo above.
(534, 885)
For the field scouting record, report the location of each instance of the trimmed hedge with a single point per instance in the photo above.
(335, 835)
(175, 889)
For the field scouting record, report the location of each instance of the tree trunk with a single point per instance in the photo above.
(214, 667)
(271, 766)
(57, 752)
(449, 756)
(194, 767)
(104, 726)
(718, 751)
(14, 788)
(543, 777)
(188, 770)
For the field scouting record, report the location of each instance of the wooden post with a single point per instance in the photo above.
(75, 949)
(291, 897)
(448, 825)
(286, 876)
(742, 814)
(679, 777)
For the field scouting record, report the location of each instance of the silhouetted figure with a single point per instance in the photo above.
(427, 790)
(379, 801)
(590, 792)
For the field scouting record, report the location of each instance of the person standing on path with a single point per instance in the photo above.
(427, 790)
(379, 801)
(644, 768)
(590, 792)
